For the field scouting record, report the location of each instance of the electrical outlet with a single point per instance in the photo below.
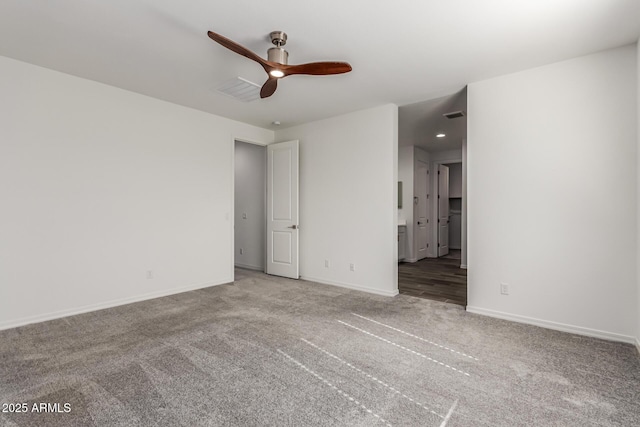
(352, 267)
(327, 264)
(504, 289)
(149, 274)
(241, 251)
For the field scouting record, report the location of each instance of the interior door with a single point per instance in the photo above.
(421, 191)
(443, 210)
(282, 209)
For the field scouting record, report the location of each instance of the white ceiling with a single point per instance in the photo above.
(402, 51)
(419, 123)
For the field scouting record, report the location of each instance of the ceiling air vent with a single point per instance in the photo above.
(240, 89)
(454, 114)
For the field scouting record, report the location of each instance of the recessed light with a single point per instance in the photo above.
(440, 135)
(276, 73)
(276, 123)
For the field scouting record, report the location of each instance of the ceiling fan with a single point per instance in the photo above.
(276, 66)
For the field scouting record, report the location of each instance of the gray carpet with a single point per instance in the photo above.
(272, 351)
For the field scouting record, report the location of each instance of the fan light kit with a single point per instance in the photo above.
(277, 66)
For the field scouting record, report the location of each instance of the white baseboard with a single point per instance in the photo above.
(638, 345)
(352, 286)
(411, 260)
(553, 325)
(249, 267)
(101, 306)
(464, 266)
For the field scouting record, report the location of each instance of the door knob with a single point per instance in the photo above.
(295, 227)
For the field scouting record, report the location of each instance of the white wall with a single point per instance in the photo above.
(250, 205)
(98, 186)
(552, 195)
(405, 174)
(348, 199)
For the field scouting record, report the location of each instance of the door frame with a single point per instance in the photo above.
(230, 216)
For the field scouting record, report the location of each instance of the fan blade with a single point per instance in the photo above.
(269, 87)
(318, 68)
(241, 50)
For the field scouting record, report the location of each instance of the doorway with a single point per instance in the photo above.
(250, 173)
(440, 276)
(450, 183)
(432, 136)
(441, 273)
(265, 208)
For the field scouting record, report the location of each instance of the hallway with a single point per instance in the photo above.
(439, 279)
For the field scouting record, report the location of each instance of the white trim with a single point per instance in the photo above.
(249, 267)
(463, 225)
(108, 304)
(351, 286)
(410, 260)
(232, 204)
(463, 266)
(638, 345)
(251, 141)
(553, 325)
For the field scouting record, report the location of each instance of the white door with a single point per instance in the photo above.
(420, 210)
(443, 210)
(282, 209)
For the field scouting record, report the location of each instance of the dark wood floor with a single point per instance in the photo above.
(439, 279)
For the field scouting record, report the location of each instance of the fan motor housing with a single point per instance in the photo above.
(279, 55)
